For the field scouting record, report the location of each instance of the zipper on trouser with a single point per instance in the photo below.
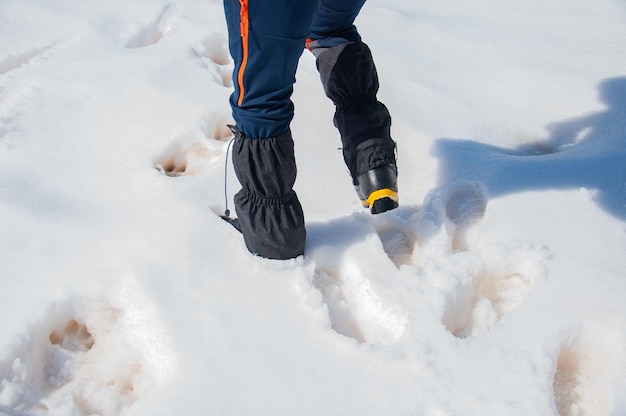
(243, 30)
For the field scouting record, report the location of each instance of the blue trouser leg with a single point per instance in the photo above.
(334, 23)
(277, 32)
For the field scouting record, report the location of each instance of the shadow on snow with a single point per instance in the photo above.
(587, 151)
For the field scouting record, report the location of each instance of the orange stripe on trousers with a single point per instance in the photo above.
(244, 25)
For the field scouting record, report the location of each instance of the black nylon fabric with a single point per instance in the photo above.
(269, 212)
(350, 80)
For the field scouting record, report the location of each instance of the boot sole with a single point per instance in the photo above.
(382, 205)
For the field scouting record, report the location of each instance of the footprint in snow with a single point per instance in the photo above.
(197, 152)
(82, 361)
(586, 369)
(352, 273)
(343, 320)
(214, 56)
(478, 304)
(398, 234)
(153, 32)
(459, 208)
(465, 206)
(355, 306)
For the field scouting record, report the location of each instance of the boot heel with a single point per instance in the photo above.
(378, 189)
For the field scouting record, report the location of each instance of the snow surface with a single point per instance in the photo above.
(497, 288)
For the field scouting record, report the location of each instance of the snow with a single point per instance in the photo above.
(496, 288)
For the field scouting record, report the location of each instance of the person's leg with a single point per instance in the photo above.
(350, 80)
(266, 39)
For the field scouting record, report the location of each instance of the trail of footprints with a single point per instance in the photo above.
(190, 154)
(61, 365)
(94, 359)
(361, 306)
(478, 304)
(195, 153)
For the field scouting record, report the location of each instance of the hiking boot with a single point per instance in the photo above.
(378, 189)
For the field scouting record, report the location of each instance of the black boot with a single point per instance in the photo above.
(350, 80)
(269, 212)
(378, 189)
